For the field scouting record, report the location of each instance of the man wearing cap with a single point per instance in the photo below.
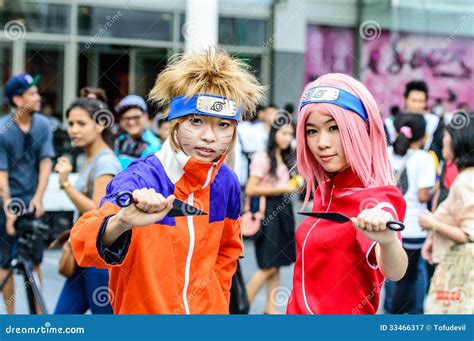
(26, 149)
(136, 141)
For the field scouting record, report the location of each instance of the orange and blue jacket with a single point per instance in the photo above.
(179, 265)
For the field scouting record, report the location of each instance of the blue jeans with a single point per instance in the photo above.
(86, 289)
(416, 292)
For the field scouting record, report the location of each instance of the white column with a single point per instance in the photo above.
(71, 56)
(200, 29)
(289, 30)
(18, 61)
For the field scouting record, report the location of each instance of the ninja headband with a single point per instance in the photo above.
(339, 97)
(204, 104)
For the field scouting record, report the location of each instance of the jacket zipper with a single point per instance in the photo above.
(302, 255)
(190, 221)
(189, 257)
(209, 175)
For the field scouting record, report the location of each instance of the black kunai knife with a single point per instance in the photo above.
(180, 208)
(341, 218)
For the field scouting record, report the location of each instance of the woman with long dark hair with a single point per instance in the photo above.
(451, 227)
(416, 175)
(269, 177)
(87, 287)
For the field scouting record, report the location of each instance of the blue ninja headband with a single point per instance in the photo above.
(204, 104)
(339, 97)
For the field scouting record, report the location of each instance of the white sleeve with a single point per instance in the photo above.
(426, 171)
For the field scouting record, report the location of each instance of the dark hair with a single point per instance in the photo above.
(98, 92)
(288, 155)
(289, 107)
(161, 120)
(254, 117)
(126, 108)
(99, 112)
(417, 85)
(417, 125)
(394, 110)
(461, 129)
(272, 105)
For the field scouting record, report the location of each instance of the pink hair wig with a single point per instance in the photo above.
(365, 145)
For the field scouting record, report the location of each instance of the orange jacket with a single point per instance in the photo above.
(177, 265)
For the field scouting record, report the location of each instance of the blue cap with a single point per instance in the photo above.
(18, 84)
(131, 101)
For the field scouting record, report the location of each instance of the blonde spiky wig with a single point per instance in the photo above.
(211, 72)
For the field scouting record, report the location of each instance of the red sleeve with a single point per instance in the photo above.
(389, 199)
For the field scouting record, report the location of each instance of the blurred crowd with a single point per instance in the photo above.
(97, 142)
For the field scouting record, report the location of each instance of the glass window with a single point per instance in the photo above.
(34, 17)
(255, 63)
(48, 62)
(5, 72)
(182, 20)
(124, 23)
(241, 31)
(106, 67)
(148, 64)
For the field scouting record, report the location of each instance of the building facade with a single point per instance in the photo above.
(121, 45)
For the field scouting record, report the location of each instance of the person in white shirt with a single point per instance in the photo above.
(416, 102)
(416, 175)
(252, 137)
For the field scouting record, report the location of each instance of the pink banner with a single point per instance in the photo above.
(446, 64)
(328, 49)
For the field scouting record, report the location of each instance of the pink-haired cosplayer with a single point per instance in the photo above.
(342, 154)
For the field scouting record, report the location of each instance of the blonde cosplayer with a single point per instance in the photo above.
(210, 83)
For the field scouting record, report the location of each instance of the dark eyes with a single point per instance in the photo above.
(312, 131)
(199, 121)
(79, 123)
(195, 121)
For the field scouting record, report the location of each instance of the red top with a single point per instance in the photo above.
(451, 173)
(336, 270)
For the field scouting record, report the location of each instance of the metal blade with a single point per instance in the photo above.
(181, 209)
(333, 216)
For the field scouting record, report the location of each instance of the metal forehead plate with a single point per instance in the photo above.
(217, 106)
